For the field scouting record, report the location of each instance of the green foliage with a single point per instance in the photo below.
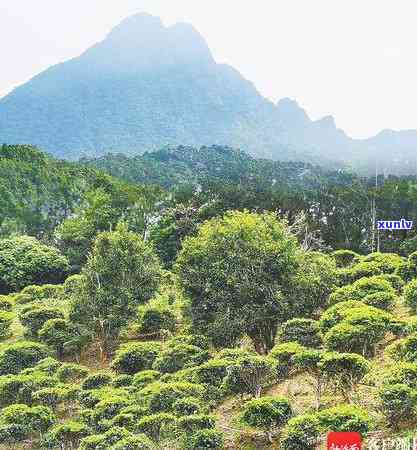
(179, 357)
(104, 441)
(250, 374)
(398, 402)
(160, 396)
(187, 406)
(410, 294)
(304, 331)
(33, 317)
(157, 426)
(50, 397)
(21, 355)
(345, 418)
(344, 370)
(267, 413)
(284, 354)
(97, 380)
(136, 356)
(190, 339)
(403, 373)
(206, 439)
(156, 316)
(6, 320)
(345, 258)
(404, 349)
(360, 289)
(21, 388)
(233, 271)
(24, 261)
(13, 433)
(301, 432)
(36, 418)
(137, 442)
(6, 303)
(36, 293)
(141, 379)
(388, 262)
(212, 372)
(191, 424)
(61, 335)
(71, 372)
(121, 273)
(68, 434)
(310, 285)
(382, 300)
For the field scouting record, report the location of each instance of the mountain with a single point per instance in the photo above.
(147, 86)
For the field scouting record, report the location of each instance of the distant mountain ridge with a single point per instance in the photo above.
(147, 86)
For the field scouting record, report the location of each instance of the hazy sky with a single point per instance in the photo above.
(353, 59)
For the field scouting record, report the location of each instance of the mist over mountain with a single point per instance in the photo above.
(147, 86)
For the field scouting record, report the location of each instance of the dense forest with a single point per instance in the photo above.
(198, 298)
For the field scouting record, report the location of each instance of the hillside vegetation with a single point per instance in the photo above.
(215, 312)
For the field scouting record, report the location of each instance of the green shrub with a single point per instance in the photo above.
(33, 317)
(338, 312)
(301, 432)
(97, 380)
(104, 441)
(137, 442)
(396, 281)
(267, 413)
(122, 380)
(58, 334)
(360, 289)
(187, 406)
(135, 357)
(24, 261)
(20, 388)
(155, 317)
(43, 292)
(68, 434)
(387, 262)
(71, 372)
(6, 320)
(410, 295)
(141, 379)
(250, 375)
(304, 331)
(212, 372)
(382, 300)
(398, 402)
(179, 357)
(21, 355)
(345, 258)
(50, 397)
(6, 303)
(190, 339)
(157, 426)
(403, 373)
(206, 439)
(404, 349)
(344, 370)
(360, 270)
(108, 408)
(283, 354)
(36, 418)
(13, 433)
(162, 396)
(345, 418)
(49, 366)
(195, 422)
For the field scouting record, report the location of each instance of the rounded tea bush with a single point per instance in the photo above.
(345, 258)
(21, 355)
(206, 439)
(301, 432)
(304, 331)
(155, 318)
(187, 406)
(267, 412)
(398, 402)
(97, 380)
(135, 357)
(137, 442)
(179, 357)
(410, 295)
(33, 317)
(345, 418)
(6, 320)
